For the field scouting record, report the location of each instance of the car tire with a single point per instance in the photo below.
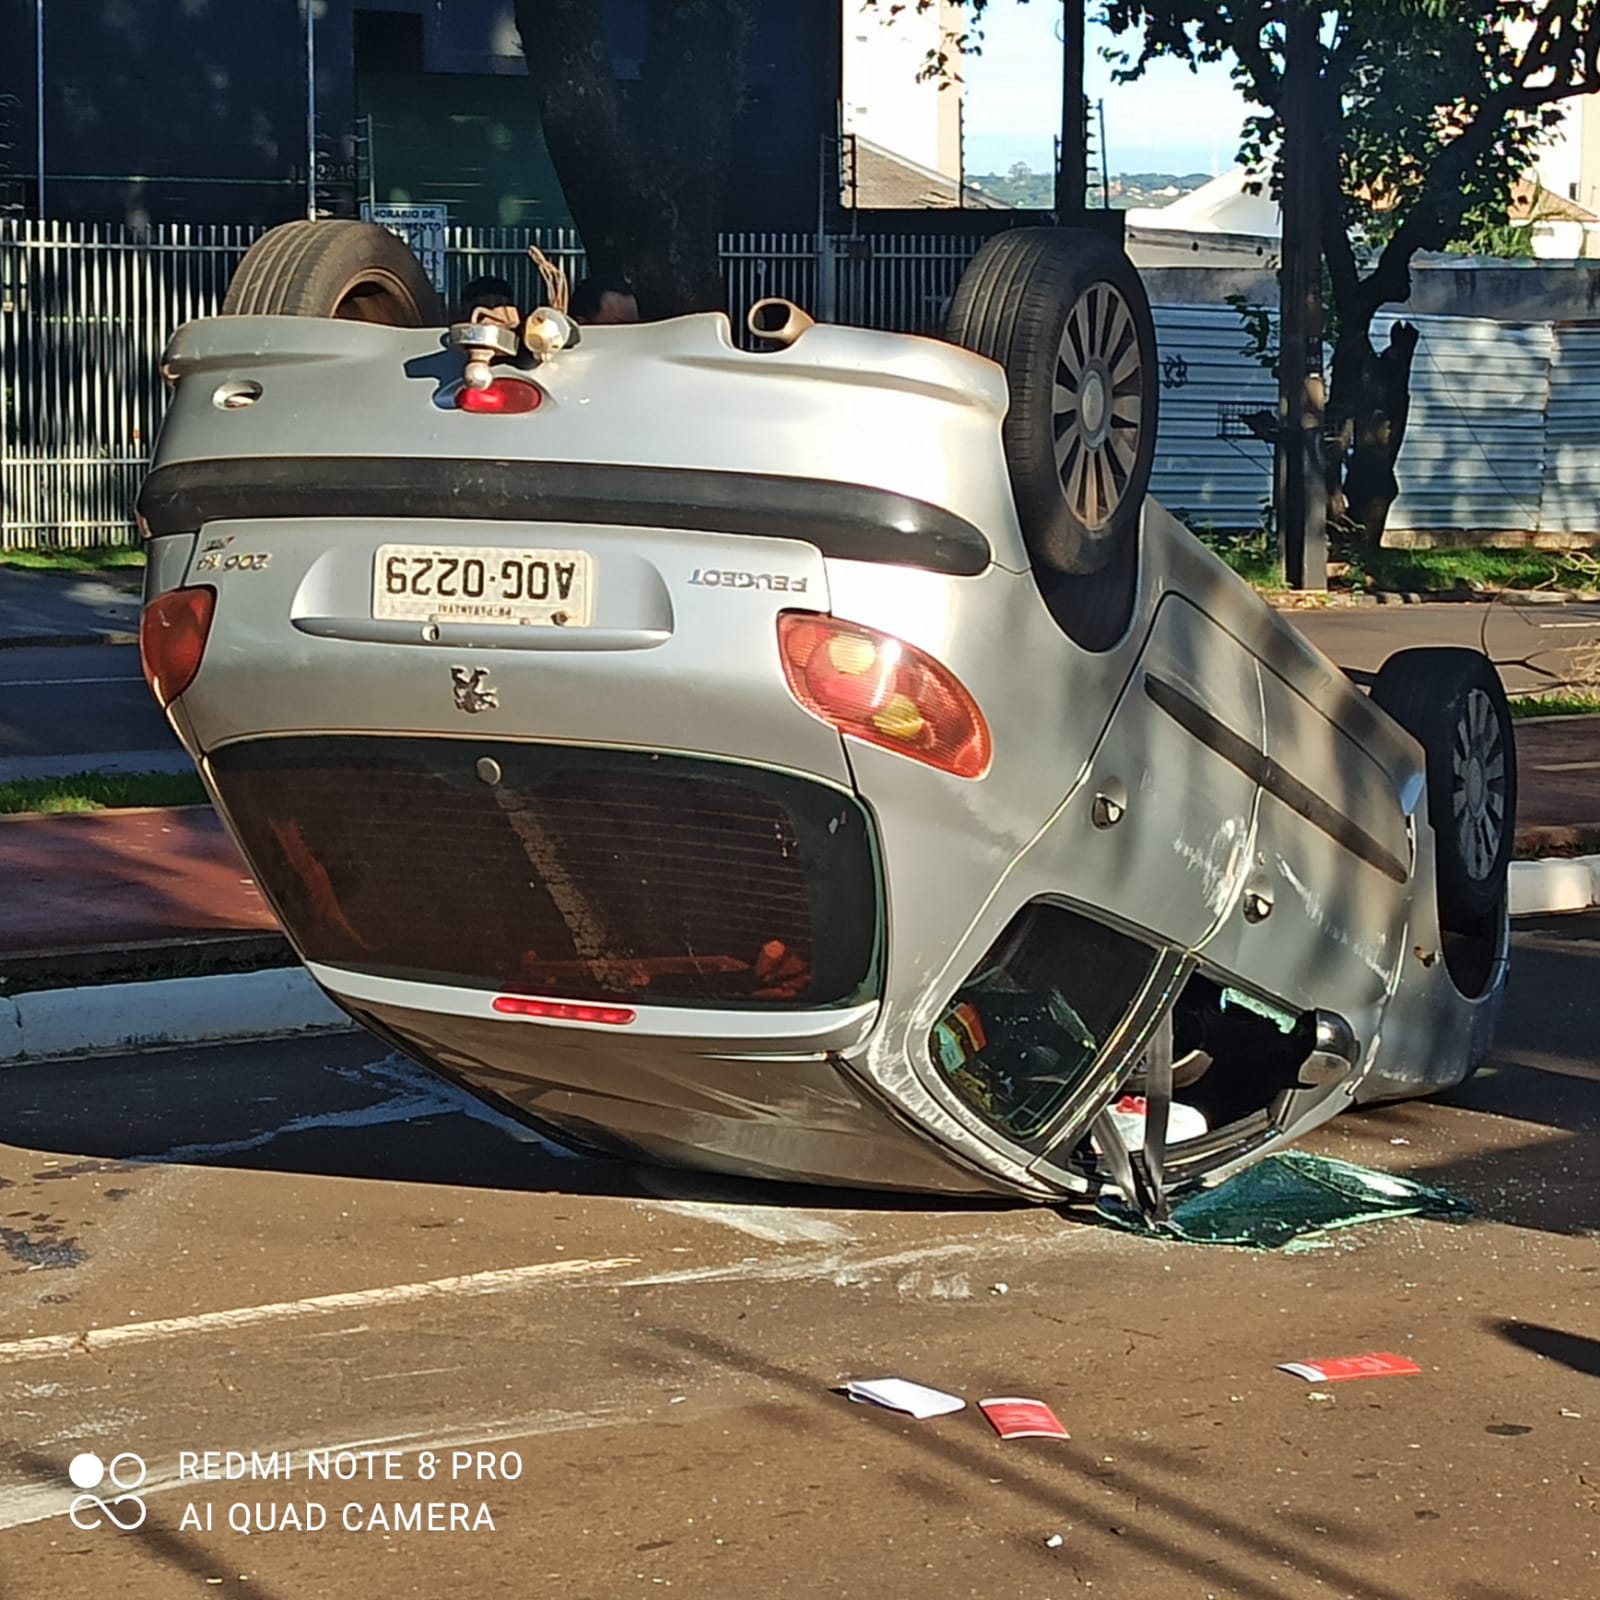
(1063, 311)
(1453, 703)
(352, 271)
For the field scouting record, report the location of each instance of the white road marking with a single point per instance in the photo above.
(845, 1270)
(60, 683)
(770, 1224)
(493, 1282)
(1567, 766)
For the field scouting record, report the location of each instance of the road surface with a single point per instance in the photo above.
(310, 1248)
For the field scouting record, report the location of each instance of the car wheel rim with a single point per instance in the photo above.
(1478, 785)
(1097, 404)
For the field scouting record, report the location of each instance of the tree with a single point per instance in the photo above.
(1430, 110)
(644, 164)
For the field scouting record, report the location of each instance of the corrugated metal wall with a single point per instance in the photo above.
(1571, 491)
(1474, 450)
(1224, 483)
(1504, 433)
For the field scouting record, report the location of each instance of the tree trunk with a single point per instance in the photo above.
(1372, 393)
(644, 165)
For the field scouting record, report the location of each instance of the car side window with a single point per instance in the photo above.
(1023, 1030)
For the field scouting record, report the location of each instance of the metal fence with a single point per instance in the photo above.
(85, 311)
(1504, 427)
(1503, 436)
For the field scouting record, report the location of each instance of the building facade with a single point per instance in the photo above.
(211, 110)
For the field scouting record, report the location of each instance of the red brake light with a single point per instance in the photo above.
(883, 691)
(503, 397)
(172, 639)
(516, 1005)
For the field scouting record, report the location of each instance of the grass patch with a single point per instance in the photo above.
(1448, 571)
(1556, 705)
(102, 791)
(101, 558)
(1253, 555)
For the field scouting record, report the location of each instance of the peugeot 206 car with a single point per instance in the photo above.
(821, 761)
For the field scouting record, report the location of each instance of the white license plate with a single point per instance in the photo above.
(469, 583)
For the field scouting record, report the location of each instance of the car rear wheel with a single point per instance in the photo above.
(352, 271)
(1453, 703)
(1063, 311)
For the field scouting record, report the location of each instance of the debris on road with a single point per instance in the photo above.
(1015, 1418)
(1054, 1542)
(900, 1394)
(1288, 1199)
(1340, 1369)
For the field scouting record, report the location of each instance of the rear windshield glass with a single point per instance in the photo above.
(547, 870)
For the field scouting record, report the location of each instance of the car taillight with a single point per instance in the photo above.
(884, 691)
(503, 397)
(516, 1005)
(172, 639)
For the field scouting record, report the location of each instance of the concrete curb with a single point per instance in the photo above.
(49, 1024)
(1539, 887)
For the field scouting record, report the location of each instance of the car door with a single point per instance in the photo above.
(1159, 835)
(1323, 918)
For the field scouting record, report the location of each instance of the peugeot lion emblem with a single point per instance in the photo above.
(473, 690)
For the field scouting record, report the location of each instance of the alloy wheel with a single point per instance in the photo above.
(1478, 785)
(1097, 404)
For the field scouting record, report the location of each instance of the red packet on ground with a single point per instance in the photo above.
(1340, 1368)
(1022, 1419)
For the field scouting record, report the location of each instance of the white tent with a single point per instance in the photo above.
(1221, 206)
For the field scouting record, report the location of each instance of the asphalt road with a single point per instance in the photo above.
(1546, 647)
(310, 1247)
(62, 702)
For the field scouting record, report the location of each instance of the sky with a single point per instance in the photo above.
(1171, 121)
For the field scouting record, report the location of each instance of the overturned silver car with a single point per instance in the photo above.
(822, 762)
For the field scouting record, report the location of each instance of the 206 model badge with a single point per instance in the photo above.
(473, 690)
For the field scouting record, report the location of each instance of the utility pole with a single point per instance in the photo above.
(311, 110)
(1300, 475)
(1072, 170)
(39, 90)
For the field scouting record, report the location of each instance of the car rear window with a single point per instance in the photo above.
(550, 870)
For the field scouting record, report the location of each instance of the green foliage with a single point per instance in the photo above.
(1251, 552)
(98, 791)
(1449, 571)
(98, 558)
(1431, 110)
(1554, 705)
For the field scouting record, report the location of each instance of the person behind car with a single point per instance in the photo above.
(598, 300)
(490, 299)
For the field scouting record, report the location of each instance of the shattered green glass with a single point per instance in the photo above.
(1288, 1199)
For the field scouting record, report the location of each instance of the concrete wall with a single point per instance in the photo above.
(1541, 291)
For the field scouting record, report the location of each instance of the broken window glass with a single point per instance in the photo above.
(1025, 1028)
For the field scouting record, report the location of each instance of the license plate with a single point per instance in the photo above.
(469, 583)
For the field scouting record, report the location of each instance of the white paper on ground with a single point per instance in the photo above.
(900, 1394)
